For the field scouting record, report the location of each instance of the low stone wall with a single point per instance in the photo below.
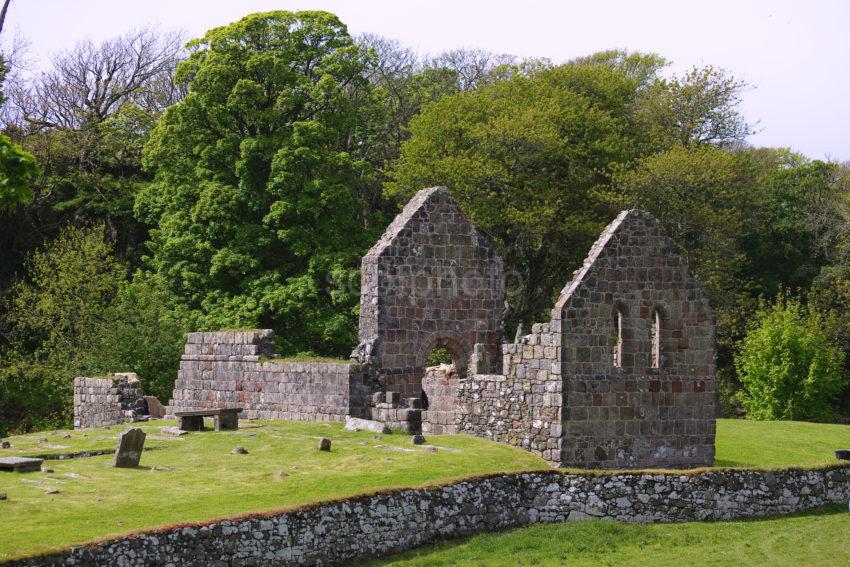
(227, 369)
(391, 521)
(107, 401)
(523, 406)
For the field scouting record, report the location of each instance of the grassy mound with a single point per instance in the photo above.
(195, 477)
(815, 538)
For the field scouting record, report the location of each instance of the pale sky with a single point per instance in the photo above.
(795, 54)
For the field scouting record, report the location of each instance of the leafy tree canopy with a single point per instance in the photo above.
(18, 170)
(525, 157)
(258, 216)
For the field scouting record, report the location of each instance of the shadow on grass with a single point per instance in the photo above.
(593, 537)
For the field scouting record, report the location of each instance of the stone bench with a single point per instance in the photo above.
(223, 418)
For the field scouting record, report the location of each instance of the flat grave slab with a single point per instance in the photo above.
(20, 464)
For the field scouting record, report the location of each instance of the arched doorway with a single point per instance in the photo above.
(444, 363)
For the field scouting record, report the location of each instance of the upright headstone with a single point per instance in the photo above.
(128, 453)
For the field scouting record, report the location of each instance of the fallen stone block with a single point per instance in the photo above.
(172, 430)
(358, 424)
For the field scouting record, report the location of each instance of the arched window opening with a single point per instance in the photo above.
(618, 338)
(656, 338)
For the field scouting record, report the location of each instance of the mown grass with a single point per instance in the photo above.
(743, 443)
(195, 478)
(812, 539)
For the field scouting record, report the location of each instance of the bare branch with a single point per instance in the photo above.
(90, 82)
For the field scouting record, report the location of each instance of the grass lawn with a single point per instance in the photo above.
(815, 538)
(194, 477)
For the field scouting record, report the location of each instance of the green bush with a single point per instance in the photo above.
(76, 314)
(788, 364)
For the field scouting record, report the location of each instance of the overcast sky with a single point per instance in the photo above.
(795, 54)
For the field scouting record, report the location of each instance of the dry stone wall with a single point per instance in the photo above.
(340, 532)
(239, 369)
(107, 401)
(431, 281)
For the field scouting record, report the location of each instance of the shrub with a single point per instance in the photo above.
(75, 314)
(788, 364)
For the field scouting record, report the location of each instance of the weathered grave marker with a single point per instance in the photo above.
(20, 464)
(128, 453)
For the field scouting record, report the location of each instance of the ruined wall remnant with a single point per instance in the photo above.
(441, 392)
(523, 406)
(623, 374)
(431, 281)
(623, 406)
(240, 369)
(106, 401)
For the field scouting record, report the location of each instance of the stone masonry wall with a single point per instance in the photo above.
(239, 369)
(441, 388)
(340, 532)
(431, 281)
(523, 406)
(636, 415)
(107, 401)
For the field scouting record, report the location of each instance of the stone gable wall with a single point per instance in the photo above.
(636, 415)
(107, 401)
(431, 280)
(392, 521)
(238, 369)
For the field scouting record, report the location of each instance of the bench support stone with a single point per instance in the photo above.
(191, 422)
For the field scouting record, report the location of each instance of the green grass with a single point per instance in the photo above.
(195, 478)
(814, 538)
(774, 444)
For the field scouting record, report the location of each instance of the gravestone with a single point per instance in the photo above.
(128, 453)
(20, 464)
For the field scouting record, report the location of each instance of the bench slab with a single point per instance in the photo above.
(223, 418)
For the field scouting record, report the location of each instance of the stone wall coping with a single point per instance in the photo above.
(612, 475)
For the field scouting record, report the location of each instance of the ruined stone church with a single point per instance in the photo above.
(621, 376)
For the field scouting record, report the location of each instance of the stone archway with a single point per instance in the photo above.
(440, 384)
(452, 342)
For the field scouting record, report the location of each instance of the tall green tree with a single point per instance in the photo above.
(256, 203)
(525, 157)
